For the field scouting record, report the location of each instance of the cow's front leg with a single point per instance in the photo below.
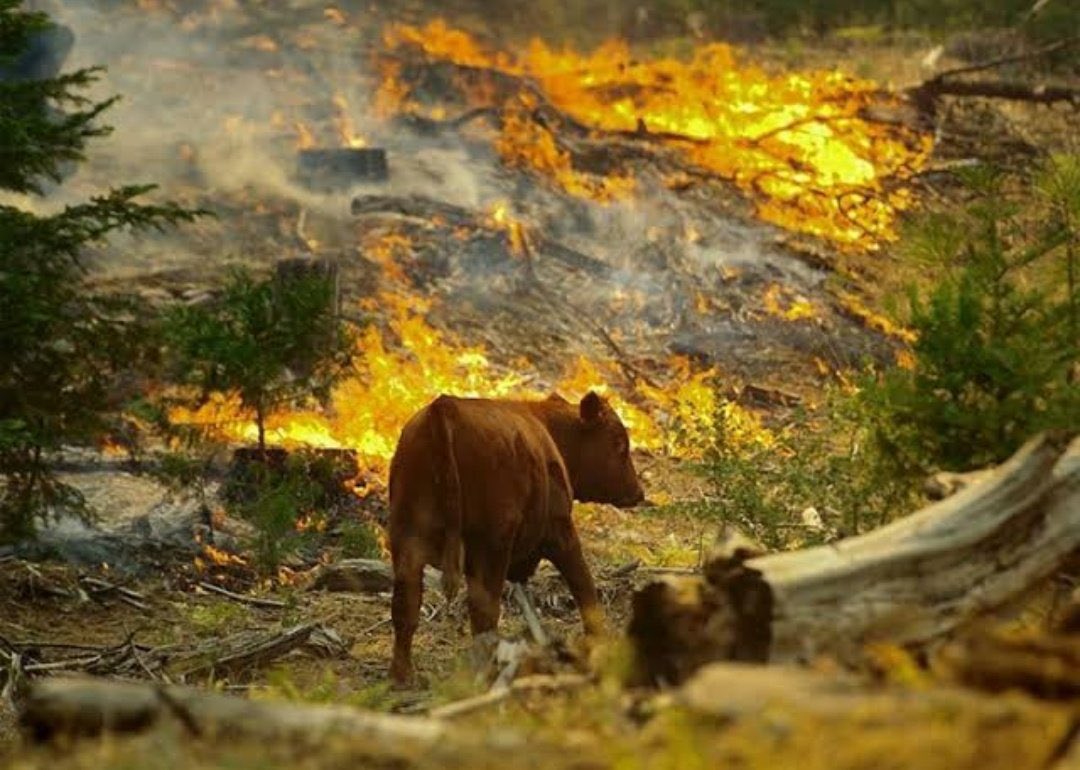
(570, 561)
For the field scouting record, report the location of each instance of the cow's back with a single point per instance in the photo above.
(511, 480)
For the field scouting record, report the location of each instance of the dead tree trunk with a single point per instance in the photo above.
(910, 582)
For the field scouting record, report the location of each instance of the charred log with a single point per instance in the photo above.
(931, 90)
(911, 582)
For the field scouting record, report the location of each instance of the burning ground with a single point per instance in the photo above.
(551, 220)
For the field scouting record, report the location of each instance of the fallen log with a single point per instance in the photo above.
(76, 707)
(239, 652)
(908, 583)
(931, 90)
(364, 576)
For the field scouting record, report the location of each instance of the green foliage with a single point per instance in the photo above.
(997, 336)
(273, 343)
(821, 459)
(329, 688)
(289, 498)
(219, 618)
(359, 541)
(63, 345)
(275, 498)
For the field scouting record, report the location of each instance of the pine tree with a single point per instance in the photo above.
(62, 345)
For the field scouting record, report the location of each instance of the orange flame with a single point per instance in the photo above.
(783, 303)
(215, 557)
(798, 143)
(304, 138)
(515, 231)
(344, 124)
(391, 382)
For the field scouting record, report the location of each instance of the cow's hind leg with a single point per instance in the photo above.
(405, 607)
(570, 562)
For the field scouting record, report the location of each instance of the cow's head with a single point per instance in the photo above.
(601, 469)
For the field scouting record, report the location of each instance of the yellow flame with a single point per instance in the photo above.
(499, 217)
(304, 138)
(391, 382)
(797, 143)
(781, 302)
(526, 144)
(344, 124)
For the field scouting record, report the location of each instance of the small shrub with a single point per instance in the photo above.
(822, 459)
(271, 344)
(996, 337)
(359, 541)
(284, 506)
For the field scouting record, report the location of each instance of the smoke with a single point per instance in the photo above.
(210, 105)
(209, 109)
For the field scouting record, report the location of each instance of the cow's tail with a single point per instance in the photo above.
(448, 492)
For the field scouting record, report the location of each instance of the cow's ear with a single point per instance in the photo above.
(557, 398)
(591, 407)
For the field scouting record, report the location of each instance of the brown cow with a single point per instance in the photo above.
(490, 483)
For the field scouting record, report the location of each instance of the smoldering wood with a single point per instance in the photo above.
(910, 582)
(338, 168)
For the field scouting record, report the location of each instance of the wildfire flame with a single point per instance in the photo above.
(401, 369)
(344, 124)
(500, 218)
(304, 138)
(392, 381)
(800, 143)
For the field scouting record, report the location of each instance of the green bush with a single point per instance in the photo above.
(997, 336)
(276, 501)
(359, 541)
(822, 459)
(762, 481)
